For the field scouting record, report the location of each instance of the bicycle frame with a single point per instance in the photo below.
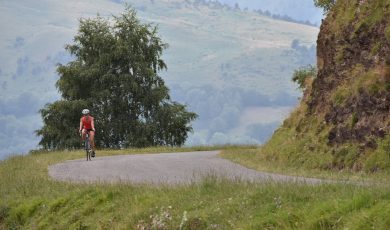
(87, 146)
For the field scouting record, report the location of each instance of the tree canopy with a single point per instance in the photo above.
(114, 73)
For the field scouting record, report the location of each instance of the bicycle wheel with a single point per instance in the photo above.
(87, 147)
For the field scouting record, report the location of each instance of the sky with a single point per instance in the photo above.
(32, 44)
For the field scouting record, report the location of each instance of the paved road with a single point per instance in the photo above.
(168, 168)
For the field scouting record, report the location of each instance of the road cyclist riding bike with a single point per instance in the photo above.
(87, 125)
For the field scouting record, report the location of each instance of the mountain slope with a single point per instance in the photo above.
(304, 11)
(221, 62)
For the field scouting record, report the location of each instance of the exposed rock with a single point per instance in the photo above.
(341, 47)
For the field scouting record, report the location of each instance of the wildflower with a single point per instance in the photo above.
(278, 202)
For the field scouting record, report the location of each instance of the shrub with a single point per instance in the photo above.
(302, 74)
(326, 5)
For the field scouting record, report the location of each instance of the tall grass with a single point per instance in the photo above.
(29, 199)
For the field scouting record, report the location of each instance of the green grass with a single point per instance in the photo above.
(359, 81)
(29, 199)
(299, 147)
(261, 160)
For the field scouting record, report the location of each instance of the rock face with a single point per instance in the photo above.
(343, 120)
(351, 92)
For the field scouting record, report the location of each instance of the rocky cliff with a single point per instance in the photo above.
(351, 90)
(343, 119)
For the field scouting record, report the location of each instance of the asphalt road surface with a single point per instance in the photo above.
(162, 168)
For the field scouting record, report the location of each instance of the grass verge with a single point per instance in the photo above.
(259, 159)
(29, 199)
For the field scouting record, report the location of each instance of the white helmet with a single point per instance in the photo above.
(85, 111)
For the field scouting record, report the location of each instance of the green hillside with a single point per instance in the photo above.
(226, 47)
(222, 61)
(208, 44)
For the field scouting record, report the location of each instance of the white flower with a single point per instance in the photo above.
(183, 220)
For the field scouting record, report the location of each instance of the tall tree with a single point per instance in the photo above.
(115, 74)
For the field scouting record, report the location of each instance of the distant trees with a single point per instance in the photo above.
(115, 75)
(216, 4)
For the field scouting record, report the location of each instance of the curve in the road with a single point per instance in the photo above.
(163, 168)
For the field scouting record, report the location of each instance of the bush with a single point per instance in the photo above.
(326, 5)
(302, 74)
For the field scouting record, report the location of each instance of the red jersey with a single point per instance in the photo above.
(87, 122)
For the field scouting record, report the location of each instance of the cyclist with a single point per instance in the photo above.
(87, 125)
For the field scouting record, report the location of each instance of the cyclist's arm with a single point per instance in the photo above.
(81, 125)
(93, 124)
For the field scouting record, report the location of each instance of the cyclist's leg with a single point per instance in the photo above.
(83, 134)
(92, 139)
